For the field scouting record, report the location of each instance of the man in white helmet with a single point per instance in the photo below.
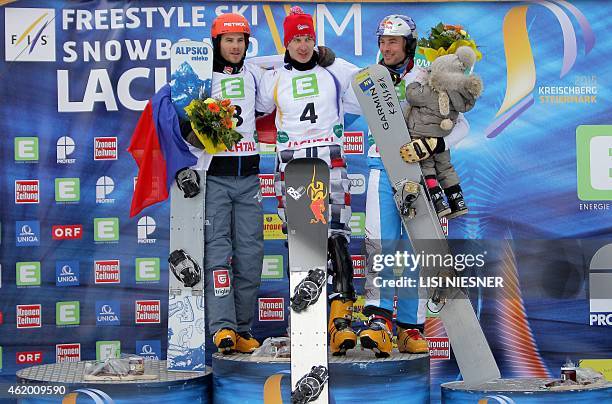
(397, 41)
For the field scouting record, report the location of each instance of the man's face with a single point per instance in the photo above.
(392, 49)
(233, 47)
(301, 48)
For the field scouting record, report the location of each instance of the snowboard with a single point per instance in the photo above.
(376, 94)
(307, 213)
(191, 78)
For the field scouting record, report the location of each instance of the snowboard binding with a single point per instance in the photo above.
(310, 386)
(406, 194)
(307, 292)
(184, 268)
(188, 181)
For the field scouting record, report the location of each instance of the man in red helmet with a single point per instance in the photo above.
(310, 100)
(234, 224)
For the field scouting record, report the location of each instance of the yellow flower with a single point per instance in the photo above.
(209, 101)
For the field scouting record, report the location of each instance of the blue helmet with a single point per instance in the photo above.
(399, 25)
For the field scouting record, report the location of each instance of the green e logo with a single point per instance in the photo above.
(305, 86)
(232, 87)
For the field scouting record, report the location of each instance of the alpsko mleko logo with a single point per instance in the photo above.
(520, 66)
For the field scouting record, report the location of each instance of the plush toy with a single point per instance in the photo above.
(448, 75)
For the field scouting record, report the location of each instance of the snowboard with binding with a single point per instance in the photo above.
(376, 94)
(191, 78)
(307, 212)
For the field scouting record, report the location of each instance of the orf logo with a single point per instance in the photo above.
(67, 232)
(521, 76)
(28, 358)
(98, 396)
(600, 287)
(221, 282)
(29, 34)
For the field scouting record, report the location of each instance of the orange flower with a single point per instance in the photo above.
(228, 123)
(225, 103)
(453, 27)
(214, 108)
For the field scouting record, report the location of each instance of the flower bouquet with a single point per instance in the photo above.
(214, 124)
(444, 39)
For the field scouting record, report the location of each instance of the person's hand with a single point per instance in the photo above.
(421, 148)
(326, 56)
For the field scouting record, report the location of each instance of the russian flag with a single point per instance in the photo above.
(159, 150)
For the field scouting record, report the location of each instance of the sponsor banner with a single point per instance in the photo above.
(68, 352)
(27, 233)
(222, 282)
(353, 142)
(107, 271)
(28, 357)
(266, 182)
(147, 312)
(359, 266)
(29, 316)
(271, 309)
(105, 148)
(67, 232)
(273, 227)
(149, 349)
(439, 347)
(27, 191)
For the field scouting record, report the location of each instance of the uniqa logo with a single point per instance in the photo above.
(520, 66)
(98, 396)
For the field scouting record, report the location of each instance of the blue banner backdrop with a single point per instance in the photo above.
(76, 270)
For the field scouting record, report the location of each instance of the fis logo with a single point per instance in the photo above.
(64, 147)
(148, 349)
(27, 233)
(108, 313)
(67, 353)
(67, 273)
(600, 287)
(29, 34)
(146, 227)
(520, 65)
(104, 186)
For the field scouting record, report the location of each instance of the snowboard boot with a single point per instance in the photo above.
(456, 202)
(225, 340)
(377, 336)
(341, 335)
(440, 204)
(411, 340)
(246, 343)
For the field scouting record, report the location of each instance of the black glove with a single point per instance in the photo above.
(326, 56)
(188, 181)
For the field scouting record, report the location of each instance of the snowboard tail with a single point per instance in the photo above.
(191, 78)
(376, 95)
(307, 213)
